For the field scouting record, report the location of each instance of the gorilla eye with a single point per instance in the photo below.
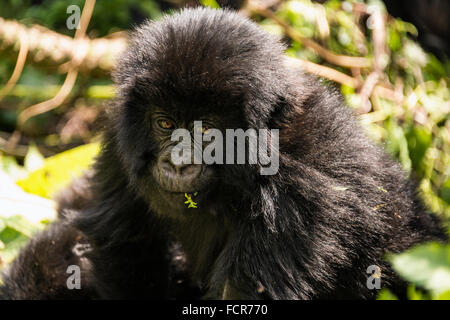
(166, 124)
(204, 129)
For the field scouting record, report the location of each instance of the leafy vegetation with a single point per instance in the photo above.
(25, 210)
(409, 113)
(426, 266)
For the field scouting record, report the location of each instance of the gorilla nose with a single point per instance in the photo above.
(186, 171)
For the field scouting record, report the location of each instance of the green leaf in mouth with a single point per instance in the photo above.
(189, 201)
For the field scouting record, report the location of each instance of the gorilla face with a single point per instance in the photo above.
(170, 78)
(177, 181)
(166, 184)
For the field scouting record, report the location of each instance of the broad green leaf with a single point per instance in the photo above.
(22, 225)
(101, 92)
(426, 266)
(13, 241)
(59, 170)
(414, 294)
(443, 296)
(210, 3)
(394, 40)
(385, 294)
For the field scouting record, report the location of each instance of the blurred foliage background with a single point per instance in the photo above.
(51, 99)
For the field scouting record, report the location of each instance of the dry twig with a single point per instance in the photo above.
(21, 58)
(339, 60)
(68, 84)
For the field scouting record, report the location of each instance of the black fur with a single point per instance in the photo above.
(40, 270)
(337, 205)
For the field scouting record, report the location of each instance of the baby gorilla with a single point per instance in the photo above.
(335, 207)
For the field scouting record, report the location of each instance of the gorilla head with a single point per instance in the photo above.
(200, 65)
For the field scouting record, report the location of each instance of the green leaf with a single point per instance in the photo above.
(210, 3)
(397, 143)
(435, 69)
(101, 92)
(13, 242)
(443, 296)
(445, 191)
(385, 294)
(414, 294)
(419, 140)
(58, 171)
(394, 40)
(22, 225)
(426, 266)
